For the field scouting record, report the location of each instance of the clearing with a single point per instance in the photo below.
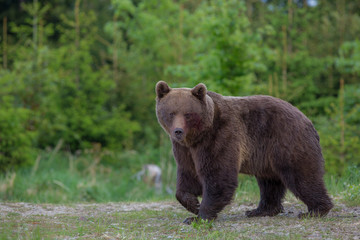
(163, 220)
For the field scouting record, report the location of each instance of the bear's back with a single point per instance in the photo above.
(273, 129)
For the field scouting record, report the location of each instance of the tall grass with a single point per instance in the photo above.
(346, 187)
(91, 176)
(101, 176)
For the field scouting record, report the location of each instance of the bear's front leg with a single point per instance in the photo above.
(219, 186)
(188, 188)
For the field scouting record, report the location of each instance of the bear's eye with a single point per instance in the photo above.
(187, 116)
(172, 114)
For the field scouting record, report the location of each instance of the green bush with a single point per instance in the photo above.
(340, 132)
(15, 138)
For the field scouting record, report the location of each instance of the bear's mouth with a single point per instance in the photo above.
(179, 138)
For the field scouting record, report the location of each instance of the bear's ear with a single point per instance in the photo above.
(199, 91)
(162, 89)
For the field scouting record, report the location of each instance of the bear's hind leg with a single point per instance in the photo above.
(272, 192)
(314, 195)
(311, 190)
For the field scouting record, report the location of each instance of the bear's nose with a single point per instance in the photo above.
(178, 132)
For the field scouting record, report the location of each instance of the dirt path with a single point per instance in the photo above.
(341, 223)
(88, 209)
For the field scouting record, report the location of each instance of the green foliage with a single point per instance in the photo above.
(340, 132)
(84, 73)
(348, 61)
(226, 54)
(66, 96)
(15, 137)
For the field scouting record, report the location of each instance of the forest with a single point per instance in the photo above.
(77, 81)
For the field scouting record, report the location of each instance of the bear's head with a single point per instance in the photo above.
(184, 113)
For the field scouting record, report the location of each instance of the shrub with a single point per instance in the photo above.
(15, 138)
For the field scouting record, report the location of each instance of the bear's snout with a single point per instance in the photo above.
(178, 133)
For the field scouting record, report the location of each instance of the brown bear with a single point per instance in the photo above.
(215, 137)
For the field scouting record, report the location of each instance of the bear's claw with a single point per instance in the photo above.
(189, 220)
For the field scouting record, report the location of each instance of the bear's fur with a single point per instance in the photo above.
(215, 137)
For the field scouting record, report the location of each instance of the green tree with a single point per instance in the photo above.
(226, 53)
